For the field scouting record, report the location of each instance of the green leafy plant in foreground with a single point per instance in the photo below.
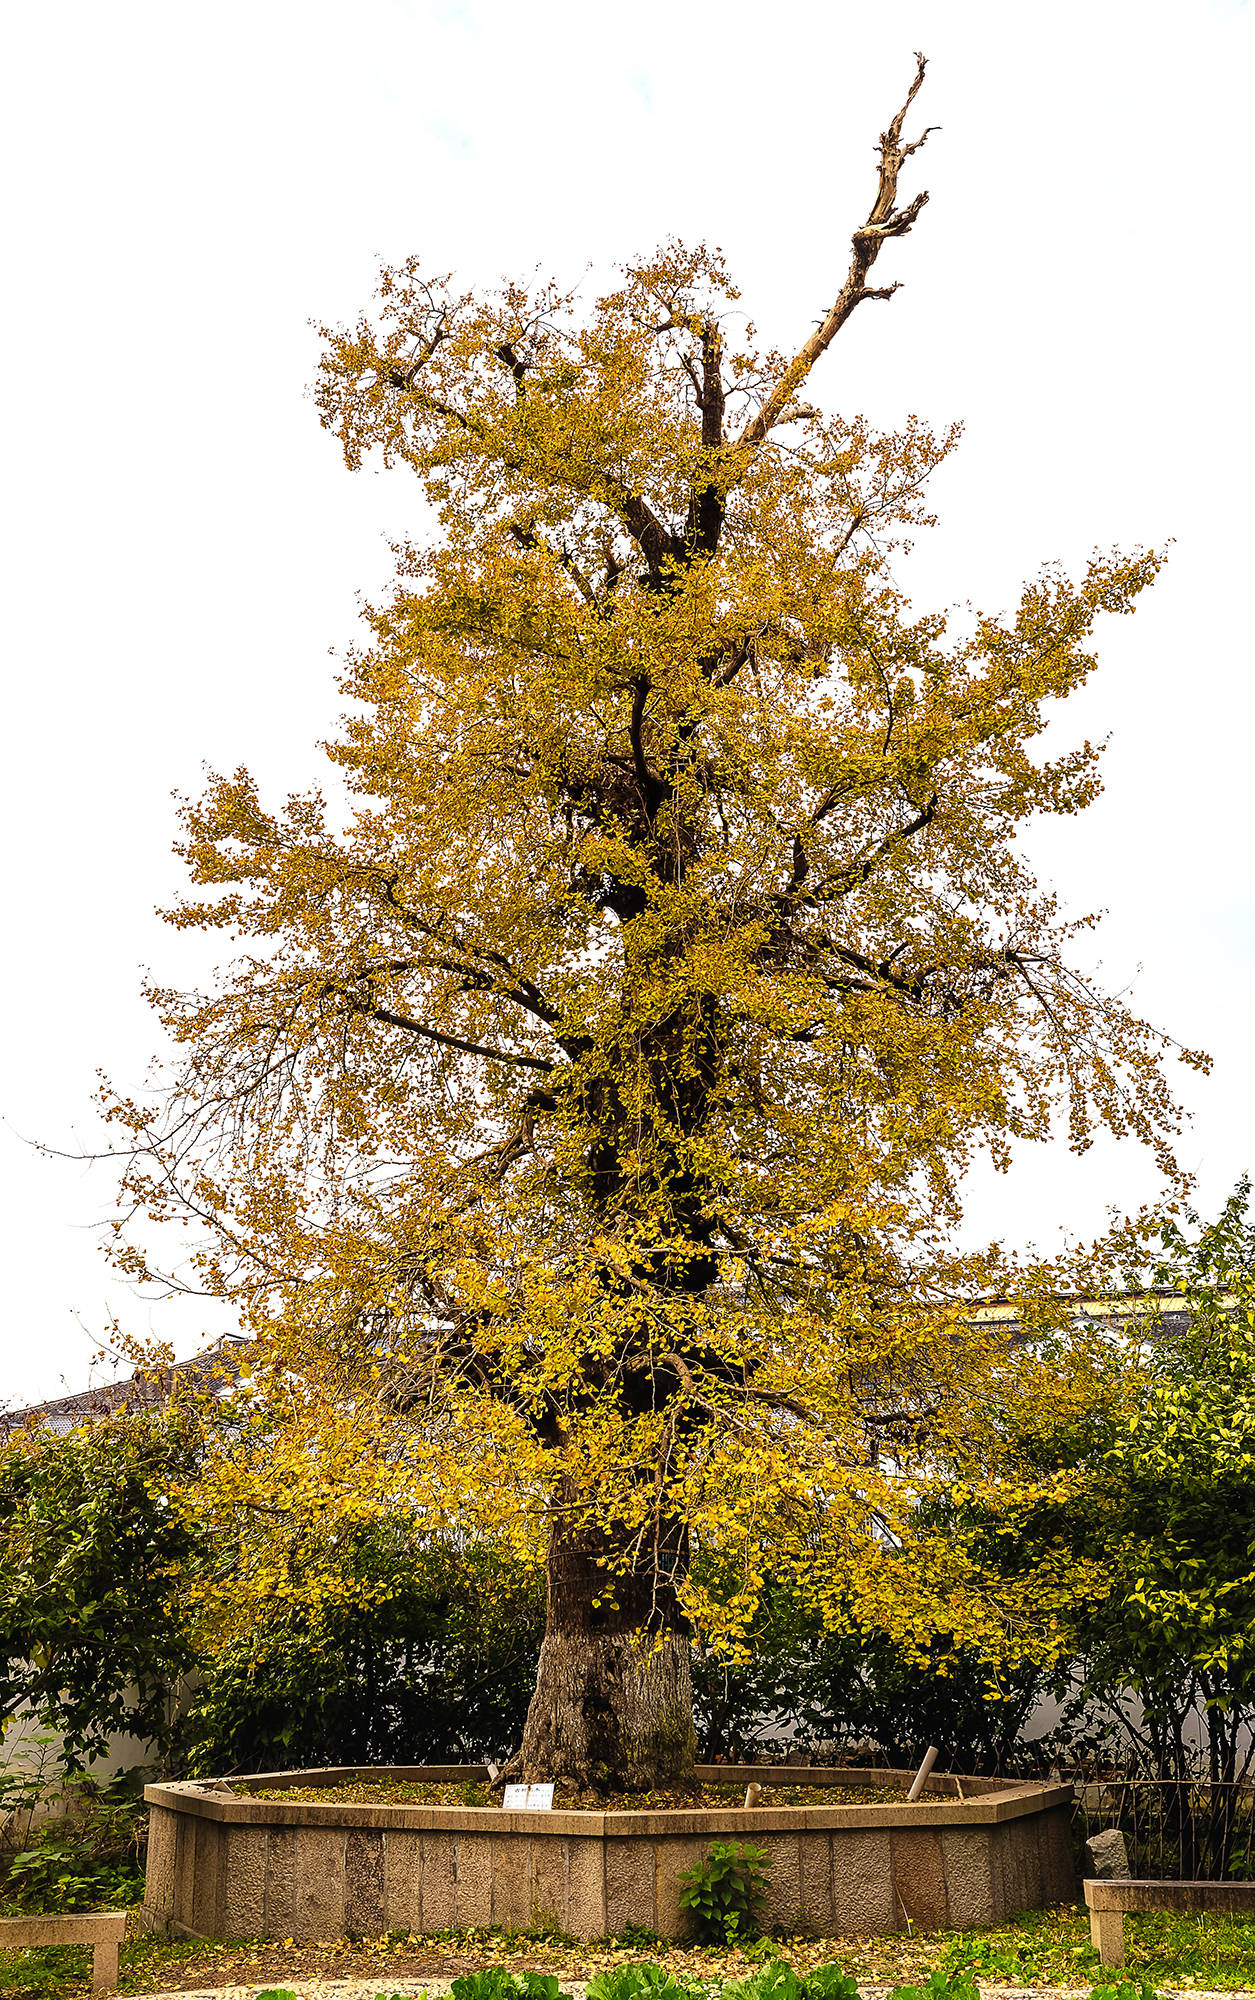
(44, 1974)
(942, 1985)
(773, 1980)
(642, 1981)
(495, 1983)
(830, 1982)
(1126, 1989)
(727, 1892)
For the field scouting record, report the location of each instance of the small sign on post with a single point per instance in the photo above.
(528, 1798)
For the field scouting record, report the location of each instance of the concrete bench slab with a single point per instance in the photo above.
(103, 1930)
(1111, 1897)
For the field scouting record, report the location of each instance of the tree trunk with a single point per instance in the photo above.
(613, 1707)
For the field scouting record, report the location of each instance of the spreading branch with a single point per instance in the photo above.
(885, 220)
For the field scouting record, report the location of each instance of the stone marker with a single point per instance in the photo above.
(1108, 1856)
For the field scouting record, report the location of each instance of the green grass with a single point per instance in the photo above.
(1042, 1948)
(60, 1969)
(1052, 1947)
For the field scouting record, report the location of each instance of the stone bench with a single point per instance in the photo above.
(102, 1930)
(1110, 1898)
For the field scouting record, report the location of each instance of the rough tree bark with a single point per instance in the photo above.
(613, 1707)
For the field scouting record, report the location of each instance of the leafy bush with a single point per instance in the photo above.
(638, 1937)
(942, 1985)
(775, 1980)
(494, 1983)
(642, 1981)
(429, 1658)
(727, 1892)
(88, 1858)
(1017, 1960)
(830, 1982)
(854, 1688)
(93, 1557)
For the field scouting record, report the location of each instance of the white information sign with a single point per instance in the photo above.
(533, 1798)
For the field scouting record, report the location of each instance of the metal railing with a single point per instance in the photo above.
(1174, 1829)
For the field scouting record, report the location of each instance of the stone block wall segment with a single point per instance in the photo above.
(244, 1881)
(183, 1873)
(318, 1910)
(969, 1877)
(814, 1868)
(862, 1884)
(586, 1889)
(1058, 1871)
(280, 1882)
(510, 1874)
(549, 1884)
(225, 1864)
(163, 1844)
(673, 1858)
(439, 1882)
(784, 1882)
(631, 1883)
(919, 1876)
(363, 1878)
(1025, 1872)
(403, 1880)
(473, 1876)
(207, 1878)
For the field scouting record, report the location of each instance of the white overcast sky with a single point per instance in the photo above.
(188, 185)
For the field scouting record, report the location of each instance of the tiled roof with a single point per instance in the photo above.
(219, 1363)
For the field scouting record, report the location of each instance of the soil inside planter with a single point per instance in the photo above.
(473, 1792)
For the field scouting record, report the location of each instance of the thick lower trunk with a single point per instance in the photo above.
(613, 1707)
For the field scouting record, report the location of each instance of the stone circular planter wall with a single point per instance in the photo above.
(224, 1864)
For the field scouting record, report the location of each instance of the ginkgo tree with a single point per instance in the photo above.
(579, 1128)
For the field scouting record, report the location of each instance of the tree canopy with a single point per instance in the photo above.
(581, 1120)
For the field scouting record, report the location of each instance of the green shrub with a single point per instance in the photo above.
(774, 1980)
(93, 1562)
(638, 1936)
(495, 1983)
(643, 1981)
(88, 1858)
(830, 1982)
(777, 1980)
(430, 1660)
(727, 1892)
(942, 1985)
